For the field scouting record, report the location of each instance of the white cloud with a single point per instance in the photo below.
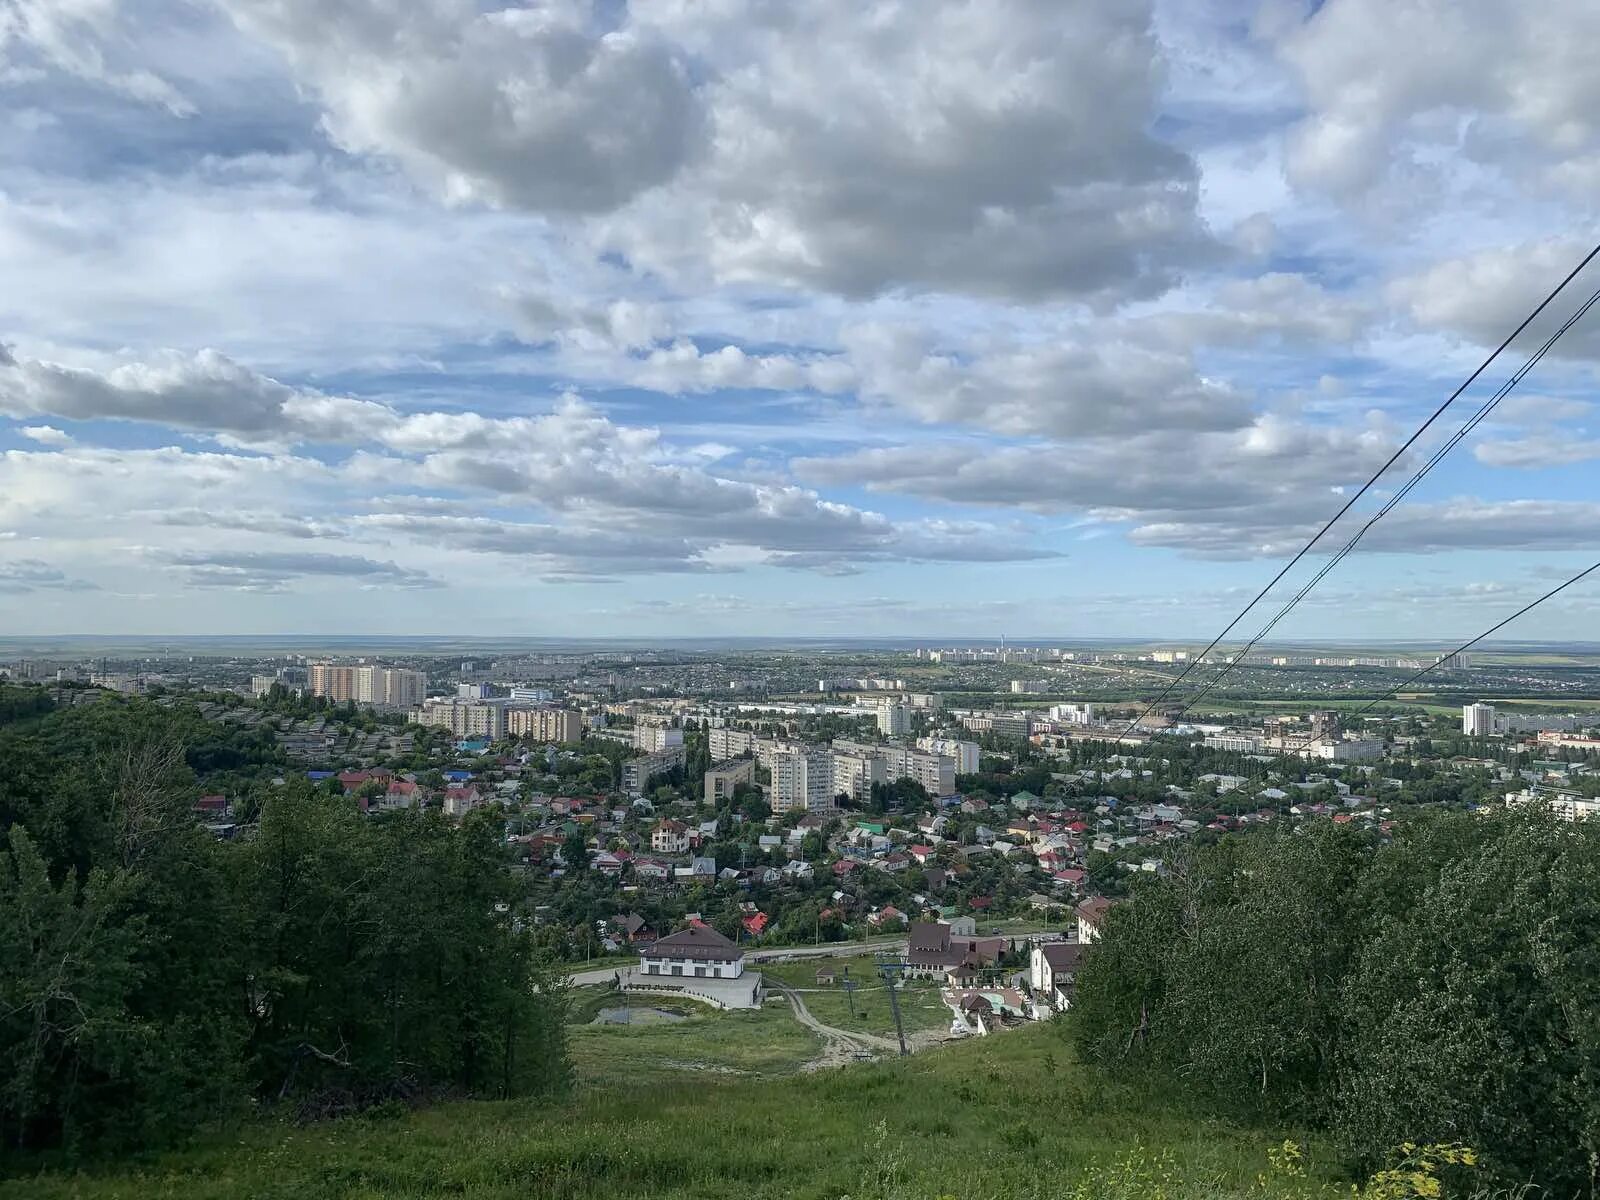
(1386, 81)
(34, 575)
(72, 36)
(536, 106)
(1000, 148)
(46, 435)
(1483, 296)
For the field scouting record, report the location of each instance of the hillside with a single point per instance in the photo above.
(1010, 1116)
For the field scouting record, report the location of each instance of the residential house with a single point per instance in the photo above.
(670, 837)
(1052, 967)
(1091, 914)
(652, 869)
(934, 952)
(458, 801)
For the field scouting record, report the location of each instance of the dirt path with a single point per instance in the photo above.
(839, 1046)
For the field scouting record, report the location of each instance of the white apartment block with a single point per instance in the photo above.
(1344, 750)
(854, 774)
(389, 687)
(724, 777)
(1477, 720)
(464, 718)
(545, 724)
(1006, 724)
(1072, 714)
(802, 778)
(1569, 806)
(1029, 686)
(894, 720)
(935, 772)
(1241, 743)
(651, 738)
(637, 772)
(965, 754)
(768, 749)
(730, 743)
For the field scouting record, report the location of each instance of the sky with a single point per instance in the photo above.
(745, 317)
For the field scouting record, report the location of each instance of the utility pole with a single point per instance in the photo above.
(890, 970)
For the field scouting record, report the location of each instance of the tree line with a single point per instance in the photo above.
(154, 979)
(1439, 986)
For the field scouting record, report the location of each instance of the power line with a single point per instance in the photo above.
(1487, 407)
(1461, 649)
(1350, 503)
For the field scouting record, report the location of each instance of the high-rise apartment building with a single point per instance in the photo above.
(935, 772)
(802, 778)
(362, 683)
(965, 754)
(730, 743)
(855, 773)
(1477, 720)
(464, 718)
(545, 724)
(651, 738)
(894, 720)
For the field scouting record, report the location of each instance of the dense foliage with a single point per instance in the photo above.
(153, 978)
(1441, 987)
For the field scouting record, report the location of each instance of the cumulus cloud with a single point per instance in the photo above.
(1483, 296)
(46, 435)
(1002, 148)
(1498, 80)
(1272, 466)
(542, 106)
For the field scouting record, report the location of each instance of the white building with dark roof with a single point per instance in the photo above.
(700, 963)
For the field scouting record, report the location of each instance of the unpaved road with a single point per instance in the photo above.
(839, 1046)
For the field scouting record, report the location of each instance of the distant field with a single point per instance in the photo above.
(1010, 1115)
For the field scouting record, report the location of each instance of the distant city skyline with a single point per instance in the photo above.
(686, 321)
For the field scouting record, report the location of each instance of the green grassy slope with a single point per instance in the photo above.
(1005, 1116)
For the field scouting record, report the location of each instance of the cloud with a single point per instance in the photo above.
(539, 107)
(249, 522)
(1002, 148)
(33, 575)
(72, 36)
(270, 571)
(1499, 80)
(1549, 449)
(1273, 465)
(1455, 525)
(46, 435)
(1483, 296)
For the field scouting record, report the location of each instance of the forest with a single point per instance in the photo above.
(154, 979)
(1442, 986)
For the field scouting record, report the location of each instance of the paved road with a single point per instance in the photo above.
(776, 954)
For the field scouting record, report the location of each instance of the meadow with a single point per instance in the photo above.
(1010, 1115)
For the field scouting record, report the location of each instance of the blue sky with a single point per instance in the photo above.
(704, 317)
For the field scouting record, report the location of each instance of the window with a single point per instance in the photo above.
(677, 968)
(699, 972)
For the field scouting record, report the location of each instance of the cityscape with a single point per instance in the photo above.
(704, 599)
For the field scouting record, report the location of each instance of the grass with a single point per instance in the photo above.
(765, 1043)
(920, 1006)
(1005, 1116)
